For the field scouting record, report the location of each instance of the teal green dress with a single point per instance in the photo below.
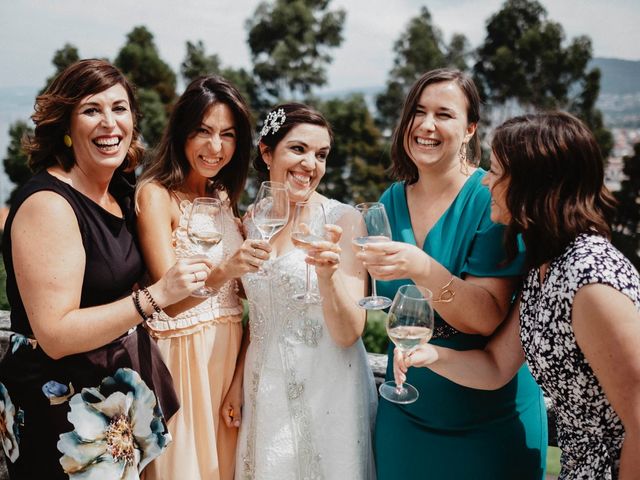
(453, 432)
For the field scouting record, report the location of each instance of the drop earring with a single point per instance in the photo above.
(67, 140)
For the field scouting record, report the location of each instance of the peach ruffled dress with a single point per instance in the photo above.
(200, 347)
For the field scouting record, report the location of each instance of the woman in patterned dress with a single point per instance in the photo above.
(309, 398)
(577, 320)
(205, 152)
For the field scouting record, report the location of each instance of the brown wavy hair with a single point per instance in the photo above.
(170, 167)
(402, 167)
(52, 113)
(295, 114)
(555, 190)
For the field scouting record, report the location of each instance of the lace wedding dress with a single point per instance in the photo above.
(309, 404)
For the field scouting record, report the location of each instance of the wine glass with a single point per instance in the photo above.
(270, 211)
(205, 229)
(308, 227)
(409, 323)
(378, 230)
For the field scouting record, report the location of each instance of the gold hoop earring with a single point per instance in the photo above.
(67, 140)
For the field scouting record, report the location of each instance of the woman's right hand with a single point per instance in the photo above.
(420, 356)
(247, 259)
(185, 276)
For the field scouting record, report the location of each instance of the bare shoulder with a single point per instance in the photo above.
(153, 194)
(45, 209)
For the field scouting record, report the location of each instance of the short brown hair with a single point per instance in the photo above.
(52, 115)
(402, 167)
(556, 183)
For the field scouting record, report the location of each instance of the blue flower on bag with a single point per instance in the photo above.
(57, 393)
(9, 422)
(119, 429)
(18, 340)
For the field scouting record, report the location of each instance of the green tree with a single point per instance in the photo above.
(62, 58)
(15, 161)
(290, 41)
(524, 61)
(197, 63)
(419, 49)
(626, 224)
(140, 60)
(357, 153)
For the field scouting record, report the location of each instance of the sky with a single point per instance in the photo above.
(32, 30)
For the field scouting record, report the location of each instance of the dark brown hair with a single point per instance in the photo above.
(555, 190)
(402, 167)
(295, 114)
(170, 166)
(52, 115)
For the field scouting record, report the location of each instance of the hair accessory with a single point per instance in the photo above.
(67, 140)
(275, 119)
(446, 293)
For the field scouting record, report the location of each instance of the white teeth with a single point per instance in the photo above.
(301, 178)
(427, 142)
(209, 161)
(107, 142)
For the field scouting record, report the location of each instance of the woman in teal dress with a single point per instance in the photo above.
(444, 240)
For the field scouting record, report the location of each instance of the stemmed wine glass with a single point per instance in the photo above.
(378, 230)
(205, 229)
(409, 323)
(308, 227)
(270, 211)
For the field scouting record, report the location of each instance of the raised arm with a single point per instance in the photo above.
(480, 303)
(487, 369)
(606, 325)
(49, 262)
(341, 281)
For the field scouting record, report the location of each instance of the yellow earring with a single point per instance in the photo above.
(67, 140)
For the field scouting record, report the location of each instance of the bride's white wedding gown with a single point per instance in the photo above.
(309, 404)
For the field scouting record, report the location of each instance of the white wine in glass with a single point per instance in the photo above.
(378, 230)
(270, 211)
(409, 323)
(308, 227)
(205, 229)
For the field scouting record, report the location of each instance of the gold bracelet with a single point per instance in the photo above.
(446, 294)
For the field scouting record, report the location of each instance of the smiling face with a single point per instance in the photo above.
(498, 184)
(299, 160)
(212, 145)
(439, 128)
(101, 129)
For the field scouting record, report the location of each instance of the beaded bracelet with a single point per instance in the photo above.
(135, 296)
(446, 294)
(153, 303)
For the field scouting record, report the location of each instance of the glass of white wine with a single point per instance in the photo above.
(378, 230)
(270, 211)
(308, 227)
(205, 229)
(409, 324)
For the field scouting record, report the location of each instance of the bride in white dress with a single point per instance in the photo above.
(305, 390)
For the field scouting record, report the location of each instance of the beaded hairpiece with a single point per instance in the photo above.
(273, 122)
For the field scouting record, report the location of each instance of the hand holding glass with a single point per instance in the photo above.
(270, 212)
(205, 229)
(409, 323)
(308, 227)
(378, 230)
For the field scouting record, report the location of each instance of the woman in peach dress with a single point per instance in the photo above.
(204, 153)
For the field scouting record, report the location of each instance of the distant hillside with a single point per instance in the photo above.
(619, 77)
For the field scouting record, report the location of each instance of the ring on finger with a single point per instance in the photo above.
(195, 276)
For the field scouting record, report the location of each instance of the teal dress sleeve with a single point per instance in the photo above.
(450, 422)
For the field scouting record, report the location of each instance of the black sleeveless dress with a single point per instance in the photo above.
(103, 427)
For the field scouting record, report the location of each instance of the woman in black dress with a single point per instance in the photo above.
(577, 321)
(84, 392)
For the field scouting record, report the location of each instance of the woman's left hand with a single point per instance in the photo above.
(393, 260)
(325, 255)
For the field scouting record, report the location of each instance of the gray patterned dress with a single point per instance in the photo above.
(590, 432)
